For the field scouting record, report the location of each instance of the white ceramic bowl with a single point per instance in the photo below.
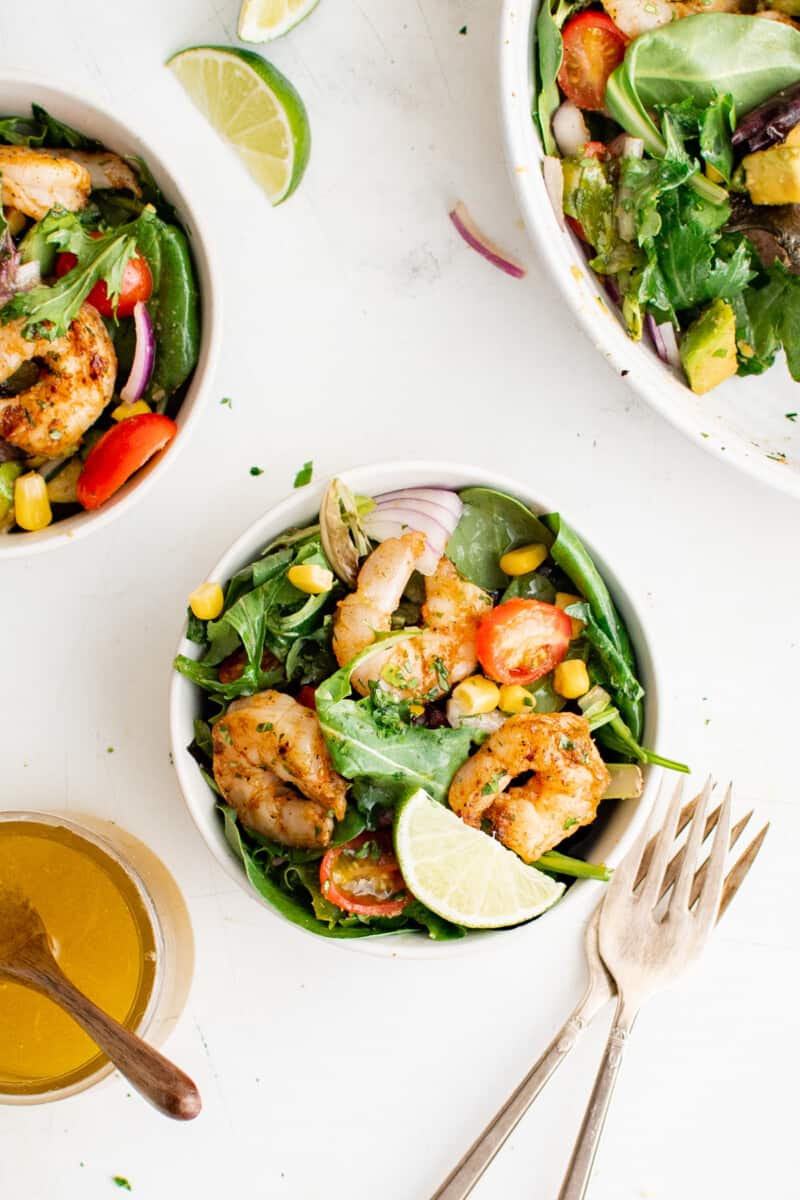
(744, 421)
(17, 90)
(301, 508)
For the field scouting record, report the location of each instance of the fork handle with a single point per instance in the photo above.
(465, 1175)
(580, 1166)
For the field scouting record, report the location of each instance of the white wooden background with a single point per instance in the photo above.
(358, 327)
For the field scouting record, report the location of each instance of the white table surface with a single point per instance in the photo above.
(359, 327)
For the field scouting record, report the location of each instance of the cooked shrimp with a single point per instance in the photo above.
(76, 382)
(563, 794)
(639, 16)
(272, 765)
(34, 181)
(423, 666)
(106, 169)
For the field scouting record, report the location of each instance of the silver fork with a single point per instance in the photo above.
(646, 948)
(599, 991)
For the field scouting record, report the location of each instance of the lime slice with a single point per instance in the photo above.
(462, 874)
(265, 20)
(254, 108)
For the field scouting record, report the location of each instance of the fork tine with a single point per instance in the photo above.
(708, 902)
(691, 853)
(628, 872)
(662, 850)
(671, 873)
(737, 873)
(687, 812)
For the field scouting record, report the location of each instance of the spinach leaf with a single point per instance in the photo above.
(549, 53)
(310, 658)
(195, 629)
(59, 135)
(771, 320)
(533, 586)
(491, 524)
(438, 928)
(174, 306)
(410, 758)
(620, 676)
(21, 131)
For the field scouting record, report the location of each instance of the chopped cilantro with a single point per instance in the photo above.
(225, 734)
(121, 1182)
(566, 743)
(264, 727)
(256, 470)
(463, 31)
(442, 674)
(109, 749)
(791, 416)
(493, 786)
(304, 475)
(226, 402)
(570, 821)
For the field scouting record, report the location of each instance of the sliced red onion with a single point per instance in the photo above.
(28, 275)
(389, 522)
(484, 246)
(569, 128)
(424, 507)
(553, 173)
(665, 343)
(143, 356)
(441, 496)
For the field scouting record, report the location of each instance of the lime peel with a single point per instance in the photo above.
(265, 20)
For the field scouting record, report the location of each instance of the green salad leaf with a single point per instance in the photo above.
(550, 21)
(491, 524)
(590, 198)
(768, 317)
(60, 135)
(365, 747)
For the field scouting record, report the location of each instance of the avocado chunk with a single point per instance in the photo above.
(708, 348)
(773, 176)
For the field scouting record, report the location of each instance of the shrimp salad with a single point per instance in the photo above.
(671, 132)
(99, 320)
(453, 642)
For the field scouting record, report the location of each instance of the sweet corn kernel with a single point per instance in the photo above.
(476, 695)
(523, 559)
(571, 679)
(31, 504)
(206, 601)
(713, 174)
(310, 578)
(514, 698)
(563, 600)
(123, 411)
(416, 710)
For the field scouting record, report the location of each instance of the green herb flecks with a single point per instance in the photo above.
(256, 470)
(304, 475)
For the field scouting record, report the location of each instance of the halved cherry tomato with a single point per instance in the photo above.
(307, 696)
(593, 48)
(119, 452)
(521, 640)
(363, 877)
(594, 150)
(137, 284)
(576, 228)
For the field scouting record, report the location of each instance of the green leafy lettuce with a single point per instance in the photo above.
(490, 525)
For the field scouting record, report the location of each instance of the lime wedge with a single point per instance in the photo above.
(462, 874)
(265, 20)
(254, 108)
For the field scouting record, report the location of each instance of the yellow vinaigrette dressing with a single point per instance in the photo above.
(103, 939)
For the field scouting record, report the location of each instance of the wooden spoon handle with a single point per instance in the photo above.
(155, 1077)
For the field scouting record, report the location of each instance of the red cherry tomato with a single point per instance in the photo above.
(521, 640)
(594, 150)
(119, 452)
(593, 48)
(307, 696)
(577, 228)
(363, 877)
(137, 284)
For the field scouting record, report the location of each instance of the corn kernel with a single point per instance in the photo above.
(31, 504)
(310, 578)
(476, 695)
(571, 679)
(514, 698)
(416, 710)
(123, 411)
(563, 600)
(206, 601)
(713, 174)
(523, 559)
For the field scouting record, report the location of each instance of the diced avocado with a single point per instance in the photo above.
(708, 348)
(793, 137)
(773, 176)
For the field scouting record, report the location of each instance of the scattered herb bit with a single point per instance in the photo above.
(264, 727)
(791, 416)
(566, 743)
(256, 470)
(226, 402)
(121, 1182)
(570, 821)
(707, 721)
(442, 675)
(225, 734)
(109, 749)
(486, 825)
(463, 31)
(778, 456)
(304, 475)
(493, 786)
(705, 435)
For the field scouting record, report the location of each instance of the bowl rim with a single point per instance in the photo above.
(641, 369)
(580, 898)
(79, 525)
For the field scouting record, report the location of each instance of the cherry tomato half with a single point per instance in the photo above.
(307, 696)
(137, 284)
(593, 48)
(521, 640)
(119, 452)
(363, 877)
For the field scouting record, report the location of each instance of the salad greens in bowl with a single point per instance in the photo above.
(655, 147)
(107, 316)
(414, 702)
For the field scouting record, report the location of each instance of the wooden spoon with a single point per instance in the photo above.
(26, 957)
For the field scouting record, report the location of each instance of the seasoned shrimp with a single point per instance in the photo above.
(76, 382)
(639, 16)
(272, 765)
(425, 666)
(563, 794)
(34, 181)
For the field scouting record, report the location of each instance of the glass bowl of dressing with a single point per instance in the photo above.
(120, 931)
